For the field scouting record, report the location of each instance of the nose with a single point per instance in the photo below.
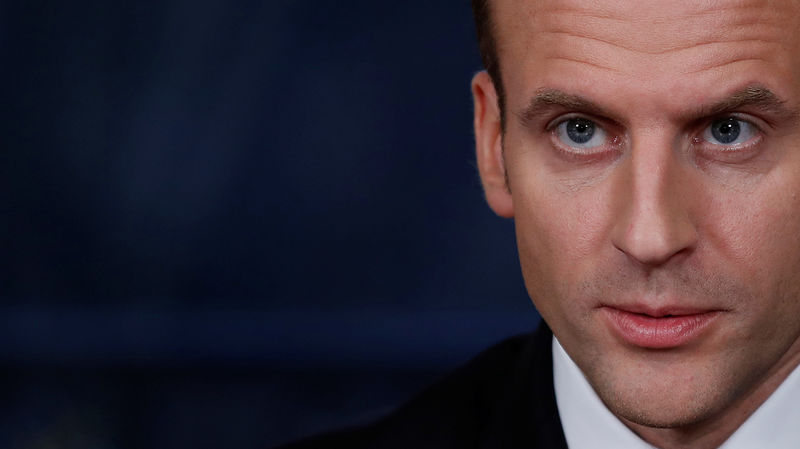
(653, 222)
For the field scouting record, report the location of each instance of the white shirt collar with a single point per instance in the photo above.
(588, 424)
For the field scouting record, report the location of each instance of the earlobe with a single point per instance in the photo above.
(489, 145)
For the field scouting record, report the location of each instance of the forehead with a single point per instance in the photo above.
(647, 46)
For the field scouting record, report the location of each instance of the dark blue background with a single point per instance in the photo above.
(232, 223)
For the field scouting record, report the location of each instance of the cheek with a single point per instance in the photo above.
(562, 217)
(757, 232)
(753, 237)
(560, 238)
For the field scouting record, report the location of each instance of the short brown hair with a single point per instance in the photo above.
(487, 44)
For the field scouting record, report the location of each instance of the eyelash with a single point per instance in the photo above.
(614, 139)
(698, 142)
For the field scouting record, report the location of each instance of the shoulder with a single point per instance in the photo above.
(494, 395)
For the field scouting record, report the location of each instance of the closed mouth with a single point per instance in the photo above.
(659, 329)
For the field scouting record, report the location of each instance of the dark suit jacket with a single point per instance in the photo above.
(503, 398)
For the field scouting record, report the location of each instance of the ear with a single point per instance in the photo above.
(489, 145)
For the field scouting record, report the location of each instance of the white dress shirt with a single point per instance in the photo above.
(588, 424)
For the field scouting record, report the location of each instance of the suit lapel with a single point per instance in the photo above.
(526, 414)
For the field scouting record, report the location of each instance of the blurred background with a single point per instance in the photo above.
(236, 223)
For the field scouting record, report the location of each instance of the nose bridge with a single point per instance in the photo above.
(654, 223)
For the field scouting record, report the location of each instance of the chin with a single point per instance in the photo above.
(662, 417)
(663, 401)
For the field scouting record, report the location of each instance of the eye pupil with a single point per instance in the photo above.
(726, 131)
(580, 130)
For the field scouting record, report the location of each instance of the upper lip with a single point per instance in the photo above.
(662, 311)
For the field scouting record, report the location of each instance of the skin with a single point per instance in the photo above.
(658, 215)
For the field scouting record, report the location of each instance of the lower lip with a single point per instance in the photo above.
(658, 333)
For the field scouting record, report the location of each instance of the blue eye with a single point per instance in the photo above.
(729, 131)
(580, 133)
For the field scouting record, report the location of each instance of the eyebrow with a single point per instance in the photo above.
(753, 96)
(547, 100)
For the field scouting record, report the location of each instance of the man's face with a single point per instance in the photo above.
(653, 160)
